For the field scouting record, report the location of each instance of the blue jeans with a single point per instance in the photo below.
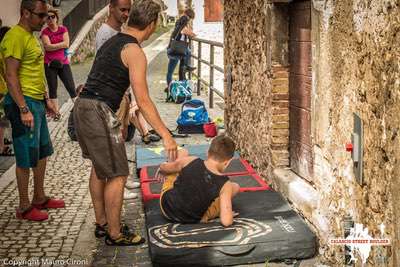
(173, 61)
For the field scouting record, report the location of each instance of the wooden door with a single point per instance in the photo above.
(213, 10)
(300, 148)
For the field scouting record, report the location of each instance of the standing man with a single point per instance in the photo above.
(118, 15)
(26, 105)
(120, 62)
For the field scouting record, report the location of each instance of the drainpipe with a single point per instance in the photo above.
(348, 223)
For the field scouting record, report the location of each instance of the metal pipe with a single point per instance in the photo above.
(199, 68)
(211, 103)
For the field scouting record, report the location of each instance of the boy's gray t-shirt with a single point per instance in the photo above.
(104, 33)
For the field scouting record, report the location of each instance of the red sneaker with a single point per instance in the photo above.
(32, 214)
(50, 203)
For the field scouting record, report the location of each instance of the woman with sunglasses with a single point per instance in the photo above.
(55, 40)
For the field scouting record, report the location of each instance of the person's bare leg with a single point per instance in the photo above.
(23, 182)
(38, 179)
(55, 101)
(96, 187)
(1, 139)
(113, 197)
(136, 122)
(142, 123)
(124, 132)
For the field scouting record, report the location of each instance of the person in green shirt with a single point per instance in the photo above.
(26, 105)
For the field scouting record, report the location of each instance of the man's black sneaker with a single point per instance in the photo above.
(101, 230)
(124, 240)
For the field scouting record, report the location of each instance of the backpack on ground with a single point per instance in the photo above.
(193, 116)
(179, 91)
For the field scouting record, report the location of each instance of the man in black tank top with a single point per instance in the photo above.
(119, 63)
(195, 190)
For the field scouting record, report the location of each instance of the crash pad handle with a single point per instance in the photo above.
(236, 250)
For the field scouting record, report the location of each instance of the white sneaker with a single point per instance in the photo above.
(129, 195)
(131, 184)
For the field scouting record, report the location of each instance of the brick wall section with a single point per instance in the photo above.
(280, 116)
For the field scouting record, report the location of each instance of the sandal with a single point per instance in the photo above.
(50, 203)
(173, 134)
(148, 138)
(7, 152)
(31, 214)
(124, 239)
(57, 117)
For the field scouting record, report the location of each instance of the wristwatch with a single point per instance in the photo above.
(24, 109)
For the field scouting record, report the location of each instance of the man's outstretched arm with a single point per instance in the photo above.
(134, 58)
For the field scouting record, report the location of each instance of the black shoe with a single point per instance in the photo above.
(101, 230)
(124, 240)
(148, 138)
(189, 68)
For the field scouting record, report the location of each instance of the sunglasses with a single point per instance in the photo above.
(124, 10)
(51, 17)
(40, 15)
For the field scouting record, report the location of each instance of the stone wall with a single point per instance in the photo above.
(251, 87)
(356, 55)
(87, 40)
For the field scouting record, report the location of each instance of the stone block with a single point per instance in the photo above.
(303, 196)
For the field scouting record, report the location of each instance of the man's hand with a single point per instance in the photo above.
(171, 148)
(160, 177)
(27, 119)
(51, 109)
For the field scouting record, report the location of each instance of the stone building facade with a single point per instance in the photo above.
(300, 71)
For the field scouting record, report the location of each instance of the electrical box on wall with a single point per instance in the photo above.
(356, 148)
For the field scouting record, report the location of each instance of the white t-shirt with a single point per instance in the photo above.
(104, 33)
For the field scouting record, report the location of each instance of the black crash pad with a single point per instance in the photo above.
(266, 228)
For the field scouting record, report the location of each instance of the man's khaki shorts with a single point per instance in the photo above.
(99, 136)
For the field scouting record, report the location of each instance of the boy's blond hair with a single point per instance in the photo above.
(222, 148)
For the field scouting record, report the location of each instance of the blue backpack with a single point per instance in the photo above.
(179, 91)
(193, 116)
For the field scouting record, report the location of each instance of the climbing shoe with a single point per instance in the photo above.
(124, 239)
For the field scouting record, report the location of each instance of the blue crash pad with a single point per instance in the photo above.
(149, 156)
